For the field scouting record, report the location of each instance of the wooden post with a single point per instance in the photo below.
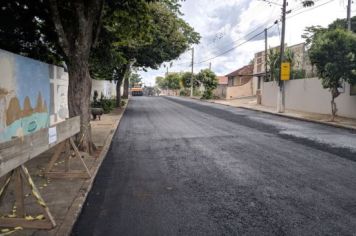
(20, 211)
(21, 175)
(67, 173)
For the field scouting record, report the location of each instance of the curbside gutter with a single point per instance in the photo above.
(348, 127)
(77, 205)
(337, 125)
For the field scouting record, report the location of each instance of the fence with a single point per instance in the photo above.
(308, 95)
(32, 94)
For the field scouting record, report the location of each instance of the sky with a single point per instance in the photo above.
(224, 24)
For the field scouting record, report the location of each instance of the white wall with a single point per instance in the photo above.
(108, 88)
(308, 95)
(244, 90)
(220, 91)
(59, 94)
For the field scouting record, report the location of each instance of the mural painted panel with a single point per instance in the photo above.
(24, 95)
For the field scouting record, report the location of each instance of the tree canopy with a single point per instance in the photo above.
(333, 52)
(170, 81)
(101, 38)
(209, 80)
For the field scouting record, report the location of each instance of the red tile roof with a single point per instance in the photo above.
(222, 80)
(243, 71)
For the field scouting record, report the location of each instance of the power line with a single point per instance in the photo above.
(235, 41)
(256, 35)
(309, 9)
(236, 46)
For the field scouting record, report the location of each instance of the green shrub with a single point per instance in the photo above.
(208, 94)
(298, 74)
(196, 93)
(184, 92)
(107, 104)
(123, 103)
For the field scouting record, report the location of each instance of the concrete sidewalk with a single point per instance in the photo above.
(64, 197)
(251, 103)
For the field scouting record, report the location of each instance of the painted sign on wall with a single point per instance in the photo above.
(24, 95)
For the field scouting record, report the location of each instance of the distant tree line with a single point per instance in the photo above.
(182, 81)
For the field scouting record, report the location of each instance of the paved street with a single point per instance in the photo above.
(183, 167)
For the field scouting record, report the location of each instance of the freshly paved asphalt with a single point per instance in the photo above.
(183, 167)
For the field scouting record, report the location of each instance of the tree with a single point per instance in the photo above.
(63, 30)
(22, 27)
(135, 79)
(209, 80)
(120, 30)
(158, 35)
(333, 52)
(160, 82)
(342, 24)
(273, 61)
(186, 78)
(172, 81)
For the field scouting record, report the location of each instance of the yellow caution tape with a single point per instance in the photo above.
(8, 231)
(40, 201)
(29, 218)
(40, 217)
(5, 185)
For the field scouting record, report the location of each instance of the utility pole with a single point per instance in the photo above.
(266, 52)
(349, 15)
(192, 79)
(209, 65)
(281, 91)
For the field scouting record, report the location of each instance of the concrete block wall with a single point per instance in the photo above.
(240, 91)
(308, 95)
(108, 88)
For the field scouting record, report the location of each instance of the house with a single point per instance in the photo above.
(301, 63)
(240, 83)
(220, 90)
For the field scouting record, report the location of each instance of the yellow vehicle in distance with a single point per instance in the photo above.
(137, 90)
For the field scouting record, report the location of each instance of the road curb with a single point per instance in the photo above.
(77, 205)
(347, 127)
(299, 118)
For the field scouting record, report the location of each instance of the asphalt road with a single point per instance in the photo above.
(183, 167)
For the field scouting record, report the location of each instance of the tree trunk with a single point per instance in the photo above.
(126, 88)
(79, 91)
(118, 93)
(77, 31)
(334, 94)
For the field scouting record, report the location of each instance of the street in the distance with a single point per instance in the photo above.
(183, 167)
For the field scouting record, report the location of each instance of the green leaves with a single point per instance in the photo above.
(333, 53)
(149, 32)
(210, 82)
(170, 81)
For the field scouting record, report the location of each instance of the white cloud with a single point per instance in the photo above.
(222, 23)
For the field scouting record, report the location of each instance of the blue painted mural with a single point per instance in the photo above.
(24, 95)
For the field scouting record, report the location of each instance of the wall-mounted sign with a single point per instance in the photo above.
(285, 72)
(52, 135)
